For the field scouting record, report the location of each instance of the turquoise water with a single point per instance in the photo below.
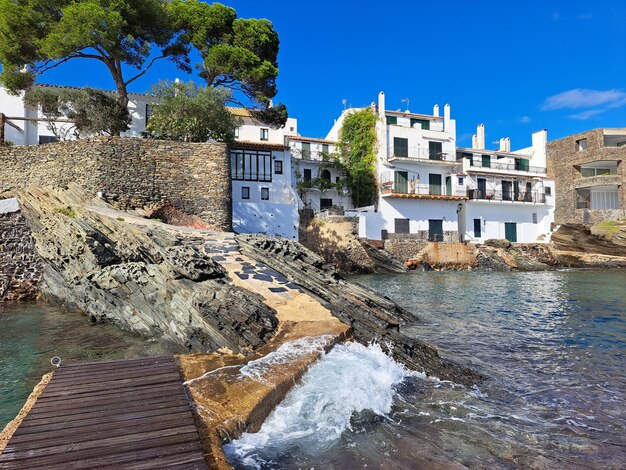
(32, 333)
(552, 344)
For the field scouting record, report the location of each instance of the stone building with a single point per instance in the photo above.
(590, 174)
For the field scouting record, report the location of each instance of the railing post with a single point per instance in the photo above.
(3, 119)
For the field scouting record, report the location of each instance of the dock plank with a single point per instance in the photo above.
(117, 414)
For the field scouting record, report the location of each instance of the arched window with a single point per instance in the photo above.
(325, 175)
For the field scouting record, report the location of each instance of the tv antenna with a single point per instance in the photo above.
(405, 100)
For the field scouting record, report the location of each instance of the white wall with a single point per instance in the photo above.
(270, 219)
(250, 131)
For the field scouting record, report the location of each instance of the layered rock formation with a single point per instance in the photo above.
(371, 316)
(139, 275)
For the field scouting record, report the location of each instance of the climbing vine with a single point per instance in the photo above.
(357, 143)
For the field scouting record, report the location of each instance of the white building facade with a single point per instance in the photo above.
(509, 195)
(320, 183)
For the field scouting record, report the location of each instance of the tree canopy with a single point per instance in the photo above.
(37, 35)
(188, 112)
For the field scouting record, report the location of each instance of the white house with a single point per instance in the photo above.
(419, 191)
(264, 200)
(320, 183)
(509, 195)
(25, 126)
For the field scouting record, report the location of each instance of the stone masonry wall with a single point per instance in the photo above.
(563, 156)
(130, 172)
(20, 267)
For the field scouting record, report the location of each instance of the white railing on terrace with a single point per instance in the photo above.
(496, 165)
(396, 183)
(420, 153)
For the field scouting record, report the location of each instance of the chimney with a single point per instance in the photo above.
(436, 110)
(474, 144)
(446, 117)
(381, 103)
(480, 136)
(505, 144)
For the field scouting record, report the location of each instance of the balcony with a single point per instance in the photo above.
(422, 155)
(533, 197)
(508, 167)
(394, 185)
(599, 180)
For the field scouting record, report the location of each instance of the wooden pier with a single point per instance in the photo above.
(130, 414)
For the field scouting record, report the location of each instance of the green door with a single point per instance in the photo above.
(434, 150)
(434, 184)
(435, 230)
(400, 183)
(448, 186)
(510, 231)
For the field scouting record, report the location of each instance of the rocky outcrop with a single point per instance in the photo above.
(139, 275)
(372, 316)
(579, 238)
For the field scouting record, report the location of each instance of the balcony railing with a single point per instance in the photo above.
(536, 197)
(495, 165)
(419, 153)
(392, 184)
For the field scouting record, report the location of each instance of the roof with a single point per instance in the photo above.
(311, 139)
(8, 206)
(414, 115)
(246, 144)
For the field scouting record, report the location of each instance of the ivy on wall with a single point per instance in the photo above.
(357, 143)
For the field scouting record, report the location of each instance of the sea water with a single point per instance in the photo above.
(552, 345)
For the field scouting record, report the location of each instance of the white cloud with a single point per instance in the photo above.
(583, 98)
(584, 115)
(524, 119)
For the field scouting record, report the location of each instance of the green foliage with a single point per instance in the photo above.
(37, 35)
(357, 142)
(191, 113)
(92, 112)
(611, 227)
(329, 161)
(7, 143)
(236, 53)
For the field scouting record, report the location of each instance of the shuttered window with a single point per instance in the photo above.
(400, 147)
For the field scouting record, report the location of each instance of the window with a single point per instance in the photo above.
(548, 191)
(477, 228)
(47, 139)
(392, 120)
(306, 150)
(265, 133)
(251, 165)
(460, 180)
(245, 192)
(400, 147)
(587, 171)
(521, 164)
(148, 112)
(486, 161)
(278, 167)
(581, 144)
(435, 151)
(307, 174)
(401, 225)
(325, 175)
(423, 123)
(535, 220)
(325, 149)
(337, 179)
(325, 203)
(265, 194)
(236, 132)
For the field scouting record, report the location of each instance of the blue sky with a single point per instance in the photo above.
(516, 66)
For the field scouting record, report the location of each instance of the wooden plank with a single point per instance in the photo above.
(62, 380)
(121, 383)
(103, 451)
(13, 453)
(96, 430)
(105, 415)
(97, 365)
(189, 461)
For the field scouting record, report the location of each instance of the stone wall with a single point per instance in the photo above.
(20, 267)
(563, 158)
(130, 172)
(404, 249)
